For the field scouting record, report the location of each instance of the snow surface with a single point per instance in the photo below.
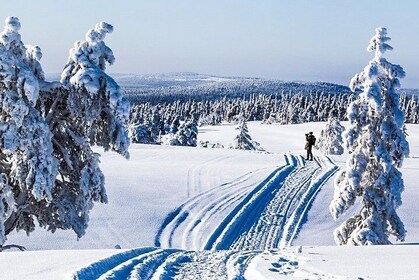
(327, 262)
(158, 179)
(144, 189)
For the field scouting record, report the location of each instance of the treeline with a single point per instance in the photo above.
(231, 89)
(286, 107)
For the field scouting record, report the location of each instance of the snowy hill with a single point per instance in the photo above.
(163, 88)
(146, 87)
(183, 199)
(163, 80)
(189, 81)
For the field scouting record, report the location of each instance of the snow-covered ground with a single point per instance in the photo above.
(206, 198)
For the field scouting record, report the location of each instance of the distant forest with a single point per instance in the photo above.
(157, 109)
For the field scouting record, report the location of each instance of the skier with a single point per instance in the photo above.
(311, 140)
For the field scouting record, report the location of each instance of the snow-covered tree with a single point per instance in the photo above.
(49, 173)
(330, 139)
(243, 141)
(139, 133)
(377, 147)
(174, 126)
(186, 135)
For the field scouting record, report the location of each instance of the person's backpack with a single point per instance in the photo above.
(311, 140)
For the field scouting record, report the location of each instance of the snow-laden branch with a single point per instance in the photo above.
(49, 172)
(377, 146)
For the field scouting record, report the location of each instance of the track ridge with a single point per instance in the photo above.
(149, 264)
(243, 217)
(154, 263)
(97, 269)
(259, 218)
(274, 217)
(305, 204)
(190, 225)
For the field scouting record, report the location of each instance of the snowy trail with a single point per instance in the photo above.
(239, 216)
(190, 225)
(97, 269)
(202, 174)
(274, 222)
(149, 263)
(250, 209)
(164, 264)
(219, 233)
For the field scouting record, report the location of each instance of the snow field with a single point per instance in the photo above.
(262, 216)
(332, 262)
(48, 264)
(142, 191)
(158, 180)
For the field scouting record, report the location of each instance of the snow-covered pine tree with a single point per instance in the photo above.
(174, 126)
(139, 133)
(49, 173)
(187, 134)
(27, 165)
(243, 141)
(330, 139)
(377, 147)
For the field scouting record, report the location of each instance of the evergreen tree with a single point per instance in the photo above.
(174, 127)
(139, 133)
(377, 147)
(186, 135)
(48, 170)
(243, 141)
(330, 139)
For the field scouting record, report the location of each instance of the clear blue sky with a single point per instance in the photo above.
(290, 40)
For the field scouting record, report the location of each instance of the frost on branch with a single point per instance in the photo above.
(95, 97)
(330, 139)
(27, 165)
(49, 173)
(243, 141)
(26, 139)
(33, 60)
(89, 109)
(377, 146)
(185, 135)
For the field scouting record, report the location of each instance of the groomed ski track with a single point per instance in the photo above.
(216, 234)
(267, 216)
(277, 221)
(154, 263)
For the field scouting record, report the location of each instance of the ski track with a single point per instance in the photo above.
(186, 227)
(195, 178)
(156, 264)
(240, 220)
(239, 216)
(271, 219)
(225, 227)
(97, 269)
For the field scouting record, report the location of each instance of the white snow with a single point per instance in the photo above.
(332, 262)
(157, 180)
(56, 264)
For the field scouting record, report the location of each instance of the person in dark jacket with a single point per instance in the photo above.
(310, 141)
